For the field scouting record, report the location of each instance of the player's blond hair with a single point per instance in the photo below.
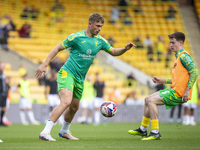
(95, 17)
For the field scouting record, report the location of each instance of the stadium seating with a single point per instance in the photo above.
(46, 32)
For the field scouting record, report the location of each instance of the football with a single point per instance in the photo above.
(108, 109)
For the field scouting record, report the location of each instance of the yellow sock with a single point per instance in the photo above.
(155, 124)
(145, 121)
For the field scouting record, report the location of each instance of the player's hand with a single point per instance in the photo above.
(185, 97)
(40, 72)
(158, 80)
(129, 45)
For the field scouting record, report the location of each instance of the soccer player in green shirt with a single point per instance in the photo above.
(84, 47)
(184, 74)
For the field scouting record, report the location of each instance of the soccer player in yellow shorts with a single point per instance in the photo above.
(184, 74)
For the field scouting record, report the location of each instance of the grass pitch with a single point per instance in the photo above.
(102, 137)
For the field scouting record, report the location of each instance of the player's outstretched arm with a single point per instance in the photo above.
(120, 51)
(158, 80)
(43, 68)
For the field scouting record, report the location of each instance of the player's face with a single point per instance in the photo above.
(175, 45)
(95, 27)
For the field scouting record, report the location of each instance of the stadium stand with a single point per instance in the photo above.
(49, 28)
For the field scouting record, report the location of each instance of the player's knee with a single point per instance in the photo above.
(65, 104)
(147, 100)
(74, 108)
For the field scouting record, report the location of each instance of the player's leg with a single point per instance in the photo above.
(171, 120)
(68, 117)
(3, 109)
(84, 113)
(32, 117)
(84, 105)
(90, 115)
(192, 110)
(66, 84)
(97, 103)
(30, 112)
(186, 114)
(65, 98)
(152, 102)
(179, 120)
(96, 112)
(23, 117)
(142, 130)
(22, 107)
(71, 111)
(90, 112)
(5, 119)
(169, 98)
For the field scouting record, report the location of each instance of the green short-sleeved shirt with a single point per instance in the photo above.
(82, 53)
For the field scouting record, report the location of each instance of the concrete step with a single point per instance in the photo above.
(16, 60)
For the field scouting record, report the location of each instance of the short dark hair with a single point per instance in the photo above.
(95, 17)
(179, 36)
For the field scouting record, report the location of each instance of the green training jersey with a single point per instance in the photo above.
(24, 88)
(194, 98)
(88, 92)
(83, 50)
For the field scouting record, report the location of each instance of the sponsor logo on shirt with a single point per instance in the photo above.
(89, 51)
(87, 55)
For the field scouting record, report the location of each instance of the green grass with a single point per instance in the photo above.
(110, 136)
